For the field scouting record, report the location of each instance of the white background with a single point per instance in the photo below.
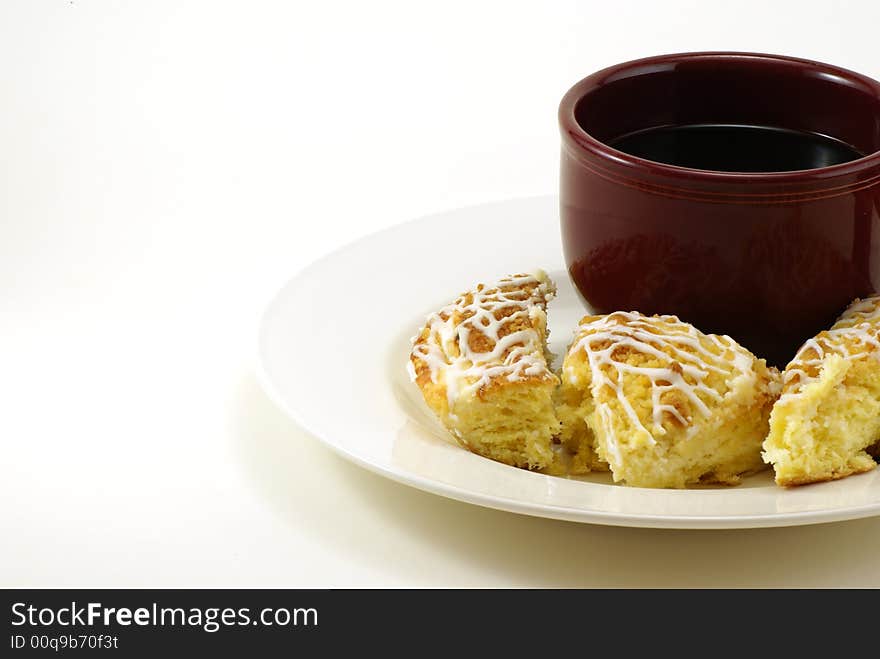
(166, 166)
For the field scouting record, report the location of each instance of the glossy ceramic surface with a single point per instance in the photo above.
(768, 258)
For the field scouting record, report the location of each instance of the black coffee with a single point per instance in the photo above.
(735, 148)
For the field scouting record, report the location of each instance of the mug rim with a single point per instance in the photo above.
(575, 135)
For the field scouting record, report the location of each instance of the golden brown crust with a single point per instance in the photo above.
(481, 364)
(662, 403)
(505, 302)
(825, 478)
(828, 417)
(855, 334)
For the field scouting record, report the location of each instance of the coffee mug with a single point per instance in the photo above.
(738, 191)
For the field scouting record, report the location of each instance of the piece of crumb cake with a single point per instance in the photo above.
(826, 424)
(661, 403)
(482, 366)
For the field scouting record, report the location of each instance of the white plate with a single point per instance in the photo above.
(334, 343)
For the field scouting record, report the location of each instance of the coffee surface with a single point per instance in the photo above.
(735, 148)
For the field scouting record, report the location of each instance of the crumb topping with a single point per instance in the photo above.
(485, 335)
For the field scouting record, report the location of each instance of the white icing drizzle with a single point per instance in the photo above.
(670, 340)
(514, 356)
(856, 334)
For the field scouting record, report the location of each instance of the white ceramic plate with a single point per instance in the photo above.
(334, 343)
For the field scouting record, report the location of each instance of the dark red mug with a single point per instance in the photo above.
(768, 258)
